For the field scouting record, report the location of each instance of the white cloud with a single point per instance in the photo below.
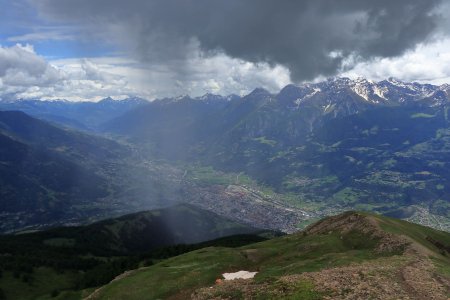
(45, 35)
(20, 68)
(25, 74)
(217, 74)
(428, 63)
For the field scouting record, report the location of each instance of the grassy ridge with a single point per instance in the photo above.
(273, 258)
(288, 255)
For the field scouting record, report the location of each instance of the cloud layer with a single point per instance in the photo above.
(24, 74)
(21, 68)
(160, 48)
(428, 63)
(310, 37)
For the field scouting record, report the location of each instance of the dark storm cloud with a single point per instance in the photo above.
(310, 37)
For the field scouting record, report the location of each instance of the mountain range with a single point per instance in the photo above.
(303, 153)
(80, 115)
(223, 176)
(342, 143)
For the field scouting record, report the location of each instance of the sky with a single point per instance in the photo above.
(85, 50)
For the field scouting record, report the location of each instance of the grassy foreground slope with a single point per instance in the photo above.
(66, 262)
(349, 256)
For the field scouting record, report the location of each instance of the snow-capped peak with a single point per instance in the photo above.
(391, 90)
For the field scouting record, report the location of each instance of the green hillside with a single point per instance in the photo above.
(350, 256)
(64, 259)
(48, 173)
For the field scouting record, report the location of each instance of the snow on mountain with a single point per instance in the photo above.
(328, 93)
(391, 91)
(208, 97)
